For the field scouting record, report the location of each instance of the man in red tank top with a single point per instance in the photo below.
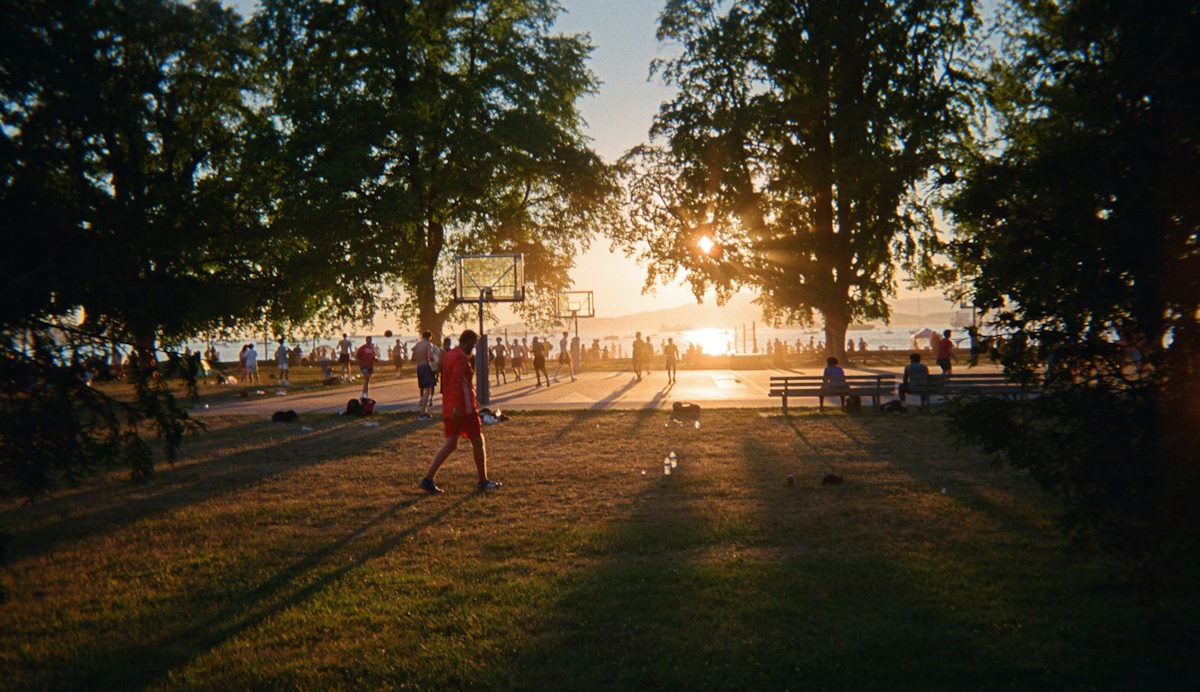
(460, 413)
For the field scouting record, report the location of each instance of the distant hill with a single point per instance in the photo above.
(906, 312)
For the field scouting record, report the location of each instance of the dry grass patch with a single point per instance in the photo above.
(274, 556)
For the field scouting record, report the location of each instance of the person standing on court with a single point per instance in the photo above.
(539, 362)
(250, 364)
(671, 352)
(366, 355)
(945, 352)
(564, 358)
(344, 348)
(501, 357)
(636, 356)
(281, 359)
(422, 355)
(460, 413)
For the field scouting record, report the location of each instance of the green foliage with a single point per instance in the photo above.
(1080, 229)
(802, 141)
(411, 131)
(130, 215)
(55, 428)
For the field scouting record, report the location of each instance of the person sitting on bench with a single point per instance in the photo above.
(915, 372)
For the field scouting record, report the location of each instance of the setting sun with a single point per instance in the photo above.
(706, 244)
(714, 342)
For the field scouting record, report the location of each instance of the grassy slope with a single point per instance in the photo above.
(274, 556)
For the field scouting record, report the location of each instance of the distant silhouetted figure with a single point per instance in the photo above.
(564, 358)
(671, 352)
(500, 359)
(422, 355)
(637, 355)
(915, 372)
(281, 359)
(344, 348)
(539, 362)
(945, 352)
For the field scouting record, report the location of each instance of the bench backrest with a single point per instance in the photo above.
(808, 379)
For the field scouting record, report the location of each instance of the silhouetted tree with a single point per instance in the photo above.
(130, 217)
(1079, 228)
(411, 131)
(802, 142)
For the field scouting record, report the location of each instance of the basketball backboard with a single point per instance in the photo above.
(568, 304)
(499, 278)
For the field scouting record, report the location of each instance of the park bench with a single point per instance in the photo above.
(967, 384)
(874, 386)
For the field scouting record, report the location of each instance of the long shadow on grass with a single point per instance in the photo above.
(150, 663)
(722, 577)
(182, 485)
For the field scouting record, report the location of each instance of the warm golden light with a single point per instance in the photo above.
(713, 342)
(706, 244)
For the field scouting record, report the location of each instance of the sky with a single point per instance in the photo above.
(617, 118)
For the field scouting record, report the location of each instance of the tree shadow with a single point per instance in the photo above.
(53, 525)
(149, 664)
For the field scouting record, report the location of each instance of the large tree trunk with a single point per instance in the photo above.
(835, 334)
(429, 318)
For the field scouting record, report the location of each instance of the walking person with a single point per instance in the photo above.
(366, 356)
(422, 355)
(397, 359)
(281, 359)
(671, 353)
(518, 358)
(636, 355)
(564, 358)
(250, 364)
(539, 362)
(945, 352)
(460, 413)
(344, 348)
(501, 357)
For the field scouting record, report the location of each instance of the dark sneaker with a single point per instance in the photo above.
(428, 486)
(487, 485)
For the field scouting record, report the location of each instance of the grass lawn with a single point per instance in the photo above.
(273, 556)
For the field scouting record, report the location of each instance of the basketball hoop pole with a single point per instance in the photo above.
(482, 383)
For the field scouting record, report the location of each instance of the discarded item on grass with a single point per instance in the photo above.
(372, 424)
(306, 428)
(259, 392)
(490, 417)
(280, 392)
(685, 411)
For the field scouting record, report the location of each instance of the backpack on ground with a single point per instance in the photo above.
(366, 407)
(288, 416)
(854, 404)
(354, 407)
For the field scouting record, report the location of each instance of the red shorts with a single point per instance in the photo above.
(468, 426)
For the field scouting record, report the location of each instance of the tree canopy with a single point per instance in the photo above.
(803, 144)
(130, 216)
(410, 131)
(1079, 231)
